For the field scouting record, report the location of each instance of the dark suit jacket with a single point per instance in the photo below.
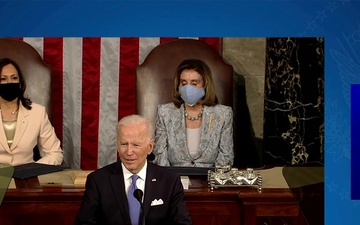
(105, 200)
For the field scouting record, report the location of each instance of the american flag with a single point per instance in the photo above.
(94, 87)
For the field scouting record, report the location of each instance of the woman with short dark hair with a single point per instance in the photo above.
(194, 130)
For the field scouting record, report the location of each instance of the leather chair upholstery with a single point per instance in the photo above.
(36, 72)
(154, 77)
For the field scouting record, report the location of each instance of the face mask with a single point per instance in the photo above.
(10, 91)
(190, 94)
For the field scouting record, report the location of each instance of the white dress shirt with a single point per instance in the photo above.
(140, 183)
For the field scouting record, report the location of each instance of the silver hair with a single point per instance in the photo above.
(137, 120)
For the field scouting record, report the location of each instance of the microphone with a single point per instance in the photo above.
(138, 194)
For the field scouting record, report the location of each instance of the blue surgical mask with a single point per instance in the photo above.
(190, 94)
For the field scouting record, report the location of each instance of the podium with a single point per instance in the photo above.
(54, 199)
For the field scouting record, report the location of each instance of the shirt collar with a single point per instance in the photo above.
(141, 174)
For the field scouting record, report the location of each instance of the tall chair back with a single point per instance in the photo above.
(36, 72)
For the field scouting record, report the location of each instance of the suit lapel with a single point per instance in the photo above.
(178, 122)
(21, 125)
(3, 140)
(117, 183)
(151, 184)
(207, 128)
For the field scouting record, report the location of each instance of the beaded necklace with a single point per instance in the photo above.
(196, 117)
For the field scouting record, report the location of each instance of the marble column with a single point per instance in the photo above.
(294, 101)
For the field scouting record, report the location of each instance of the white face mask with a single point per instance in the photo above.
(190, 94)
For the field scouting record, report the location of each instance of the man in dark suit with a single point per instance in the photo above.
(105, 198)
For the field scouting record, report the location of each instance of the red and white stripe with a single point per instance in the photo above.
(94, 86)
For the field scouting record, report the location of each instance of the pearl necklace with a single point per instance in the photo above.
(196, 117)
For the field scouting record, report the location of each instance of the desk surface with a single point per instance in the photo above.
(272, 178)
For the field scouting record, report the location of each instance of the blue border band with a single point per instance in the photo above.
(337, 21)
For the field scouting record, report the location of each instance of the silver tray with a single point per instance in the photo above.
(234, 178)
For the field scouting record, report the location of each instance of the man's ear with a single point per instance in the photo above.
(151, 145)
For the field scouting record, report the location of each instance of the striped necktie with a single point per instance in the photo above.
(134, 204)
